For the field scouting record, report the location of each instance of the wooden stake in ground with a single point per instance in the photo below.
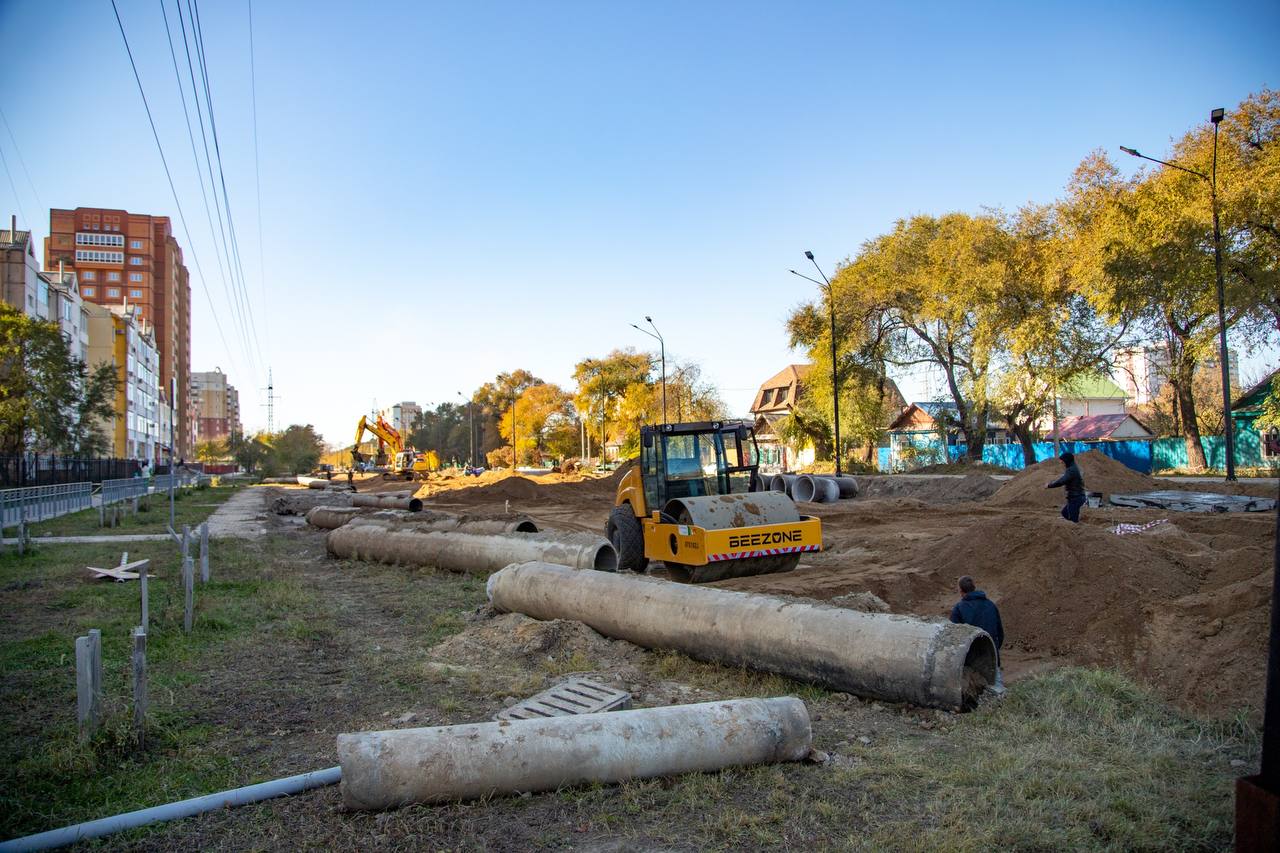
(204, 552)
(88, 661)
(142, 582)
(140, 684)
(188, 593)
(186, 540)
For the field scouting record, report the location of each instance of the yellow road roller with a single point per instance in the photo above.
(695, 501)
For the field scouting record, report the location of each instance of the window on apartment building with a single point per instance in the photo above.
(94, 255)
(113, 276)
(88, 275)
(113, 292)
(135, 294)
(135, 261)
(135, 244)
(135, 276)
(87, 291)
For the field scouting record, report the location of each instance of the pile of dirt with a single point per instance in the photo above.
(934, 490)
(1101, 474)
(515, 638)
(296, 502)
(1063, 588)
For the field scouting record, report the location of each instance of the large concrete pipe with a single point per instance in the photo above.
(877, 655)
(331, 517)
(387, 502)
(431, 520)
(783, 482)
(848, 486)
(818, 490)
(382, 770)
(470, 552)
(280, 481)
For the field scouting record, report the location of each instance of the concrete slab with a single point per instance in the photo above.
(575, 696)
(1179, 501)
(243, 516)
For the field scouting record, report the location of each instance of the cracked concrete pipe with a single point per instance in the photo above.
(819, 490)
(783, 483)
(387, 502)
(382, 770)
(478, 553)
(331, 517)
(876, 655)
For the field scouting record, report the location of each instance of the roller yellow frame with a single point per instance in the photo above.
(691, 545)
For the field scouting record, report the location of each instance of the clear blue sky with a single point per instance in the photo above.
(453, 190)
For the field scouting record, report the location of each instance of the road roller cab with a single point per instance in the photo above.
(695, 501)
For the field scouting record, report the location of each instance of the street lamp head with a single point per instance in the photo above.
(809, 255)
(1132, 152)
(648, 319)
(1216, 115)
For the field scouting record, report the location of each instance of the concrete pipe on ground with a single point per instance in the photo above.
(280, 481)
(813, 489)
(876, 655)
(848, 486)
(428, 520)
(331, 517)
(478, 553)
(387, 502)
(783, 483)
(382, 770)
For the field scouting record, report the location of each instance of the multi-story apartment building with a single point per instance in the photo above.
(402, 416)
(129, 258)
(1143, 371)
(217, 406)
(66, 309)
(20, 271)
(119, 335)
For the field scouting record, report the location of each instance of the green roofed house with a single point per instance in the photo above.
(1091, 394)
(1245, 413)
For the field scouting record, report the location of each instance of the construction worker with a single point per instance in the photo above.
(350, 478)
(1073, 480)
(974, 608)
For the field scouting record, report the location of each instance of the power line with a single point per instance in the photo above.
(222, 274)
(16, 200)
(233, 292)
(164, 161)
(21, 160)
(217, 147)
(257, 177)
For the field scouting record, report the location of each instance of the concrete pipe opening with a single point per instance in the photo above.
(980, 663)
(815, 489)
(606, 559)
(782, 483)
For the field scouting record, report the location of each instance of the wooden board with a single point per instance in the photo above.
(123, 572)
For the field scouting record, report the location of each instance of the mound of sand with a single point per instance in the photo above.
(1101, 474)
(515, 638)
(934, 490)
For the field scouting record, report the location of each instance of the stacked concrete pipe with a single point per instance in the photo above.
(821, 490)
(783, 483)
(409, 503)
(877, 655)
(388, 769)
(478, 553)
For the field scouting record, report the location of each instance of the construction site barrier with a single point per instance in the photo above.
(40, 503)
(117, 491)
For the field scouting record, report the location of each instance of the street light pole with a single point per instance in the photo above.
(1228, 426)
(835, 378)
(662, 346)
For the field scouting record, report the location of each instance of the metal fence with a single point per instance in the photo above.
(38, 503)
(183, 477)
(45, 469)
(115, 491)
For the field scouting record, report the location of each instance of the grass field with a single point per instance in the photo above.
(291, 647)
(191, 506)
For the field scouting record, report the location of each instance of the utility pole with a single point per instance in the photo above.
(271, 404)
(835, 377)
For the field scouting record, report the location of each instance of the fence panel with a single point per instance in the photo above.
(115, 491)
(38, 469)
(40, 503)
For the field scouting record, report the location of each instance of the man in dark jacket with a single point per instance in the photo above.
(974, 608)
(1074, 482)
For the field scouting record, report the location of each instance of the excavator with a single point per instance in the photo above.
(695, 501)
(404, 462)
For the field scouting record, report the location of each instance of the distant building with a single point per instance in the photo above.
(120, 336)
(217, 404)
(123, 258)
(774, 401)
(1112, 427)
(66, 309)
(1142, 372)
(1090, 395)
(20, 273)
(402, 416)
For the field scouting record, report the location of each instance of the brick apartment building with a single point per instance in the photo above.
(130, 258)
(217, 404)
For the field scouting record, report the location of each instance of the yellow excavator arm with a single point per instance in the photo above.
(386, 434)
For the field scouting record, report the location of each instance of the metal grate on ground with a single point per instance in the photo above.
(568, 698)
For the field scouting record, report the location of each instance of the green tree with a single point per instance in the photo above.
(444, 430)
(296, 450)
(602, 384)
(49, 400)
(494, 398)
(249, 452)
(211, 451)
(539, 411)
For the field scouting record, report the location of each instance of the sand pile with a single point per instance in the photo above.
(1101, 474)
(934, 490)
(1064, 588)
(516, 638)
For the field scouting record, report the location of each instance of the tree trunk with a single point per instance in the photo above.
(1186, 401)
(1023, 432)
